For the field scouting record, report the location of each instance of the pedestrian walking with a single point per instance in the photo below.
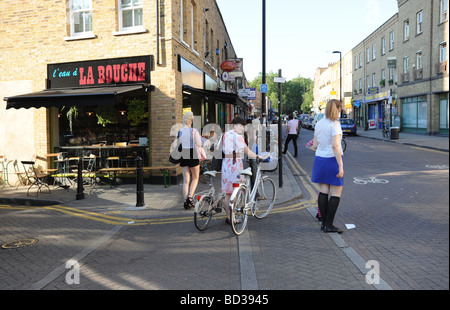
(234, 148)
(190, 164)
(328, 167)
(292, 134)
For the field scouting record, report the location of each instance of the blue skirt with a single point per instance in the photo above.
(325, 171)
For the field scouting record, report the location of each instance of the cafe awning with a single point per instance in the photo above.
(217, 95)
(74, 96)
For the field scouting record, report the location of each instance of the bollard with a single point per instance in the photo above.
(139, 183)
(80, 194)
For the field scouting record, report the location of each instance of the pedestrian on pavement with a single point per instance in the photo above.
(190, 164)
(234, 148)
(328, 167)
(292, 134)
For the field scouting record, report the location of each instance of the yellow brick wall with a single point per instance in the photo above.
(33, 35)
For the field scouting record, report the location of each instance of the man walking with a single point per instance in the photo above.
(292, 134)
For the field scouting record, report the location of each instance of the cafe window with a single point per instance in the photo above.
(107, 124)
(80, 17)
(130, 14)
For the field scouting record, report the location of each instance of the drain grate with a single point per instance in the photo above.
(19, 243)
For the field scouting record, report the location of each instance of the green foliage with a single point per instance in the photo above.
(297, 94)
(106, 115)
(71, 114)
(136, 111)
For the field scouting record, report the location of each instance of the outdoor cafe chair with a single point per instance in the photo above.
(35, 177)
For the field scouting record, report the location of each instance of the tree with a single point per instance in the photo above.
(297, 94)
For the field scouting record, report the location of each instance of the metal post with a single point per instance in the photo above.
(80, 194)
(263, 95)
(280, 157)
(139, 183)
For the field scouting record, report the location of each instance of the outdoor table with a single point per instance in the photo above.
(5, 163)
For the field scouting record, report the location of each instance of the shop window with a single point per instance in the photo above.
(414, 111)
(80, 17)
(443, 113)
(130, 14)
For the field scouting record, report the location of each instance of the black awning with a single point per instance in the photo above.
(73, 96)
(217, 95)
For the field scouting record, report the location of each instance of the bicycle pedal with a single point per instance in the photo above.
(218, 209)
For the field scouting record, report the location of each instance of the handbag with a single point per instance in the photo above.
(201, 154)
(175, 151)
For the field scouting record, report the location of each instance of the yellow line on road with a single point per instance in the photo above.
(429, 150)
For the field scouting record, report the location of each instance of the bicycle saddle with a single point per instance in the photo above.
(210, 173)
(247, 171)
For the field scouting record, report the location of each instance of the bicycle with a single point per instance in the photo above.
(343, 144)
(386, 130)
(207, 205)
(258, 200)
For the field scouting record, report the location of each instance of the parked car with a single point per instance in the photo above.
(303, 119)
(309, 122)
(348, 126)
(317, 118)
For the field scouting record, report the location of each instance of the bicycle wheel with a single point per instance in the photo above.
(239, 215)
(202, 214)
(343, 145)
(265, 199)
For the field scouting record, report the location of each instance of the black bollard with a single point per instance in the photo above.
(139, 183)
(80, 194)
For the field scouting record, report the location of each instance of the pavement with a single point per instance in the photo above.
(260, 259)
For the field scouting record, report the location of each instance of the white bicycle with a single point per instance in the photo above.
(257, 201)
(207, 205)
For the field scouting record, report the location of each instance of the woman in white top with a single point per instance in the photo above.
(190, 165)
(328, 168)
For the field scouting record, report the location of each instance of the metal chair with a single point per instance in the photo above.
(35, 177)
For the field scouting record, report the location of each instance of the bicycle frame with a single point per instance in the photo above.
(249, 197)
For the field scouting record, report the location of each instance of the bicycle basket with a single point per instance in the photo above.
(270, 164)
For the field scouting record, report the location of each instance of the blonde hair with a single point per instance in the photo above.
(188, 117)
(333, 109)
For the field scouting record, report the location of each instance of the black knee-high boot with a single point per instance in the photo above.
(322, 202)
(333, 204)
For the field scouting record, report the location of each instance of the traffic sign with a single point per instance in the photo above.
(281, 80)
(264, 88)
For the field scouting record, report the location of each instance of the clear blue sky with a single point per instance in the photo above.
(301, 34)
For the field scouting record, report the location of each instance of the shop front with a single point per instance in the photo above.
(96, 107)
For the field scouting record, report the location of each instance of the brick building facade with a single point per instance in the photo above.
(186, 41)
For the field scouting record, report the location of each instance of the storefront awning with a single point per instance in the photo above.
(74, 96)
(217, 95)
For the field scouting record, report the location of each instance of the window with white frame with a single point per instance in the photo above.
(360, 84)
(356, 63)
(368, 81)
(368, 54)
(383, 45)
(360, 59)
(391, 40)
(443, 10)
(406, 64)
(391, 74)
(130, 14)
(443, 52)
(419, 20)
(406, 30)
(80, 17)
(419, 60)
(374, 53)
(383, 75)
(374, 80)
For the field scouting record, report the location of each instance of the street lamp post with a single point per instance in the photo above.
(340, 79)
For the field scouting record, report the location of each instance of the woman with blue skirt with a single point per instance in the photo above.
(328, 168)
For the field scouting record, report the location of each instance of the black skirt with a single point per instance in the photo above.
(189, 158)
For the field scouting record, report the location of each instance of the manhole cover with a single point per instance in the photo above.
(19, 243)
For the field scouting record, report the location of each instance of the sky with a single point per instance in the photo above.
(301, 35)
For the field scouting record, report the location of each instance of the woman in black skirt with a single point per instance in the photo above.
(190, 164)
(328, 168)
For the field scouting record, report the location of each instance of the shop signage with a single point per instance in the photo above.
(228, 66)
(103, 72)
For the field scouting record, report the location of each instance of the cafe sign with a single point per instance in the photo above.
(103, 72)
